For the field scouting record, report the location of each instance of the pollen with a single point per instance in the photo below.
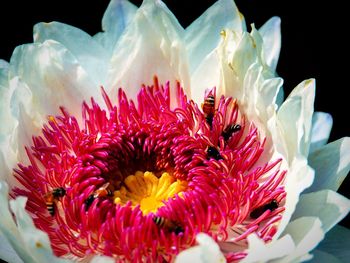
(149, 191)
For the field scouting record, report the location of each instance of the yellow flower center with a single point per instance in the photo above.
(149, 191)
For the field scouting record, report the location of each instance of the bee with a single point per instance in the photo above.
(52, 197)
(272, 205)
(167, 224)
(208, 108)
(213, 152)
(103, 191)
(229, 130)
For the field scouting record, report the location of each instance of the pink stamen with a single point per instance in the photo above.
(149, 135)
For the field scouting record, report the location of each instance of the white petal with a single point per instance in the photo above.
(203, 35)
(206, 252)
(251, 82)
(206, 76)
(9, 229)
(7, 157)
(290, 134)
(300, 176)
(329, 206)
(28, 126)
(155, 30)
(337, 243)
(331, 163)
(5, 93)
(26, 122)
(36, 242)
(271, 34)
(237, 53)
(214, 69)
(270, 89)
(244, 56)
(116, 18)
(295, 118)
(102, 259)
(258, 251)
(89, 53)
(22, 98)
(259, 96)
(4, 171)
(54, 77)
(321, 129)
(268, 86)
(306, 233)
(244, 76)
(290, 131)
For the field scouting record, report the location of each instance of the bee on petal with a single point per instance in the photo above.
(257, 212)
(103, 191)
(213, 152)
(168, 225)
(230, 130)
(52, 197)
(208, 108)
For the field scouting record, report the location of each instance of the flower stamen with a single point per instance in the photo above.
(149, 191)
(142, 179)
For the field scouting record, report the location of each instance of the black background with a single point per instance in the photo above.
(313, 41)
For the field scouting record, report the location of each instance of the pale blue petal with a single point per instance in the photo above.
(323, 257)
(331, 163)
(337, 243)
(271, 34)
(36, 241)
(329, 206)
(280, 97)
(3, 74)
(306, 233)
(116, 18)
(89, 53)
(3, 63)
(156, 30)
(321, 129)
(203, 35)
(7, 253)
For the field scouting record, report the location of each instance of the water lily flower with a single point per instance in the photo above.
(152, 143)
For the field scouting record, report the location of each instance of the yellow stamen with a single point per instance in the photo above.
(149, 191)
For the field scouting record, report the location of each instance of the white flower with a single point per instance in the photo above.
(65, 66)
